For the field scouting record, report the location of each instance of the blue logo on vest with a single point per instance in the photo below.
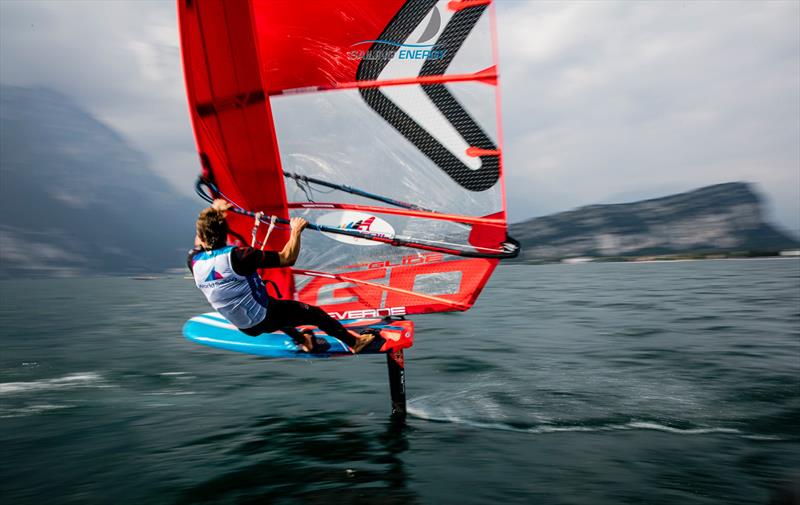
(213, 275)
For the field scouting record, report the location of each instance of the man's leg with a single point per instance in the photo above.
(284, 313)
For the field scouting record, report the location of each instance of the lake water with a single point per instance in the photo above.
(656, 383)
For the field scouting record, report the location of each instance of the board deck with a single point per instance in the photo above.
(211, 329)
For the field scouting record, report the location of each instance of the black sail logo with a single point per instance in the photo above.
(434, 23)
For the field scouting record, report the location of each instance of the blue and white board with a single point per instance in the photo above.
(211, 329)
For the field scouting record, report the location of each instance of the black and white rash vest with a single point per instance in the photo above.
(242, 300)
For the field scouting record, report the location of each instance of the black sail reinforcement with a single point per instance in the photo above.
(450, 41)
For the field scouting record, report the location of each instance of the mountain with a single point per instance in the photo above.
(720, 218)
(76, 198)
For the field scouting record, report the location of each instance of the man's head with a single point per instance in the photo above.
(212, 228)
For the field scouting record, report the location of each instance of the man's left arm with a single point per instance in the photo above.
(246, 260)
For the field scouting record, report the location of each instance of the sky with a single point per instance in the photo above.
(603, 101)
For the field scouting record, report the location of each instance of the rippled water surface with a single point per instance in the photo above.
(566, 384)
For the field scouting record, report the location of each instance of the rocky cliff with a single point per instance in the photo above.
(76, 198)
(720, 218)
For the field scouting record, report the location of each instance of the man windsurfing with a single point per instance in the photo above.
(228, 277)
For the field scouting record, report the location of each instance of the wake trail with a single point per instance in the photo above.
(75, 380)
(579, 428)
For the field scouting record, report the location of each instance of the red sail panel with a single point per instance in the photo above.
(309, 46)
(232, 118)
(321, 46)
(413, 283)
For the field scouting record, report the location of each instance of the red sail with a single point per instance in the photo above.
(376, 121)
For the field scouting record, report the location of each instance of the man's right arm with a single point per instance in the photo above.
(288, 256)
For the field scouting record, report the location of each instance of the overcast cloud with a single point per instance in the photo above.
(602, 101)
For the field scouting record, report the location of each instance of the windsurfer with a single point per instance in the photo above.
(228, 277)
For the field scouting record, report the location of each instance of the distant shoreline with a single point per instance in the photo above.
(706, 259)
(792, 254)
(175, 273)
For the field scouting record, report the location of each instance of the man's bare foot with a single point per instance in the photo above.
(362, 341)
(308, 340)
(306, 343)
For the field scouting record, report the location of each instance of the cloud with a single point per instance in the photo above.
(608, 100)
